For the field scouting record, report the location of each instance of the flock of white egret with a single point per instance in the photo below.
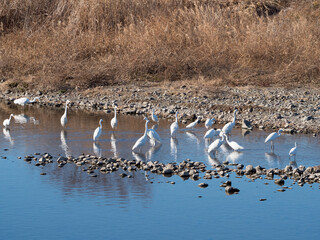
(154, 138)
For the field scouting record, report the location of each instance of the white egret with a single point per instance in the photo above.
(114, 121)
(234, 145)
(209, 122)
(174, 127)
(64, 119)
(212, 133)
(97, 132)
(229, 126)
(273, 136)
(154, 117)
(193, 124)
(142, 140)
(6, 122)
(153, 135)
(215, 145)
(293, 151)
(23, 101)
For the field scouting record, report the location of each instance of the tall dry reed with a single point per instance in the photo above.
(86, 43)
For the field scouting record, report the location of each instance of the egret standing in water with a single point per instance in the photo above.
(97, 132)
(6, 122)
(293, 151)
(142, 140)
(193, 124)
(154, 117)
(229, 126)
(273, 136)
(64, 119)
(209, 122)
(213, 147)
(211, 133)
(234, 145)
(174, 127)
(114, 121)
(23, 101)
(153, 135)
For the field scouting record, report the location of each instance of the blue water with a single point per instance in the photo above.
(69, 204)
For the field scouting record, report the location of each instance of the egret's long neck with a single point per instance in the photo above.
(234, 117)
(33, 100)
(100, 124)
(10, 118)
(295, 144)
(115, 112)
(176, 117)
(146, 130)
(65, 110)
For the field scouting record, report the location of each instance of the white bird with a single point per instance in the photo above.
(209, 122)
(64, 119)
(154, 117)
(234, 145)
(21, 118)
(193, 124)
(174, 127)
(142, 140)
(215, 145)
(229, 126)
(212, 133)
(97, 132)
(114, 121)
(23, 101)
(293, 151)
(6, 122)
(273, 136)
(154, 136)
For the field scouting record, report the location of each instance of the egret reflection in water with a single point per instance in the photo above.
(193, 136)
(152, 151)
(212, 159)
(113, 141)
(271, 158)
(174, 148)
(97, 149)
(24, 119)
(7, 136)
(139, 156)
(234, 156)
(64, 146)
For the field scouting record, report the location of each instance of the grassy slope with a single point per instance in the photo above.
(62, 44)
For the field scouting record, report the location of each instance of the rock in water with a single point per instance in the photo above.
(246, 124)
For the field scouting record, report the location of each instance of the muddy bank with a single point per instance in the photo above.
(295, 110)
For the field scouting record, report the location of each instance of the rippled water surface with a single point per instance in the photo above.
(69, 204)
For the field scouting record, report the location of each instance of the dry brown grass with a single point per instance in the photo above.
(85, 43)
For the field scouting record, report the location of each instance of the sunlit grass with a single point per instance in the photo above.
(63, 44)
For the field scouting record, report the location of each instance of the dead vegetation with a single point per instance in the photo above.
(62, 44)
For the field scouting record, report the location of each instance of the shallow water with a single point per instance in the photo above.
(67, 203)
